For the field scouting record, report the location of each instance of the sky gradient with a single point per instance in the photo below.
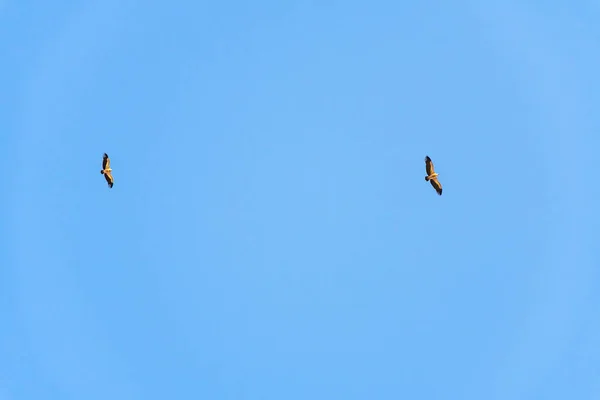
(270, 234)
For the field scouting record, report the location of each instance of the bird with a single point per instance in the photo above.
(432, 176)
(107, 170)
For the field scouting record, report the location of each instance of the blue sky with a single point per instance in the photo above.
(270, 234)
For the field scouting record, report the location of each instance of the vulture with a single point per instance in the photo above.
(107, 170)
(432, 176)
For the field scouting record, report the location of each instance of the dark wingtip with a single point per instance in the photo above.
(427, 158)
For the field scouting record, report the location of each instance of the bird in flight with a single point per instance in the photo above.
(107, 170)
(432, 176)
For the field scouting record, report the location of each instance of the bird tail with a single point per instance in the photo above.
(427, 178)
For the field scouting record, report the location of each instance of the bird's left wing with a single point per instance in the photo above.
(429, 166)
(105, 161)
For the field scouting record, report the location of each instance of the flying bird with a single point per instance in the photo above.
(432, 176)
(107, 170)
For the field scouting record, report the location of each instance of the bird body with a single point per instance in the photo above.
(432, 176)
(107, 170)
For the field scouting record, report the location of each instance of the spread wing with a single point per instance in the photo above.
(429, 166)
(105, 161)
(436, 185)
(109, 179)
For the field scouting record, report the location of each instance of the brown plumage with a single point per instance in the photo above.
(107, 170)
(432, 176)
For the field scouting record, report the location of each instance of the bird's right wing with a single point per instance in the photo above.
(109, 178)
(436, 185)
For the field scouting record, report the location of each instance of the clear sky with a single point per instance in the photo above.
(270, 234)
